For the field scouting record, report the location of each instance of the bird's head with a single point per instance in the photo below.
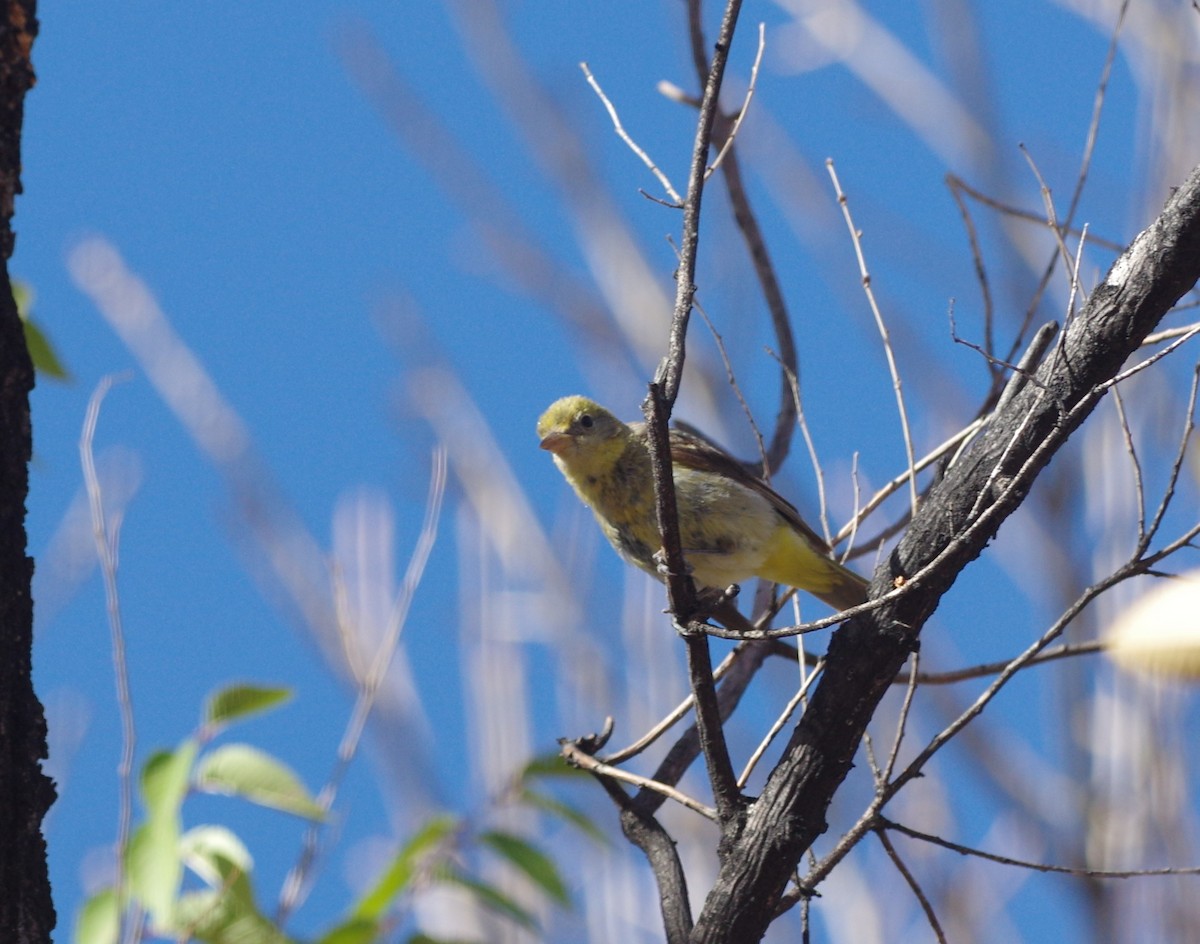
(581, 433)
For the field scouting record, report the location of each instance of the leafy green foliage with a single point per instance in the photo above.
(41, 351)
(245, 771)
(530, 860)
(398, 877)
(218, 905)
(237, 702)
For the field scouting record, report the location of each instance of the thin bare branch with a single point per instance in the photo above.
(106, 536)
(934, 925)
(788, 710)
(992, 668)
(1189, 424)
(1136, 465)
(293, 892)
(737, 122)
(645, 158)
(585, 761)
(885, 823)
(914, 664)
(897, 386)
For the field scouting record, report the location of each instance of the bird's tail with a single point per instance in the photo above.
(793, 560)
(845, 590)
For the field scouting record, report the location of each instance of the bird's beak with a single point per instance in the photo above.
(556, 442)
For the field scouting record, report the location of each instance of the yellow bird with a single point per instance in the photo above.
(733, 526)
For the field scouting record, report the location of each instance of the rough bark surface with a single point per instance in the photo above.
(26, 910)
(953, 525)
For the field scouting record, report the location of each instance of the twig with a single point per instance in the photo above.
(788, 711)
(1189, 424)
(881, 832)
(1167, 335)
(736, 387)
(985, 288)
(671, 371)
(885, 823)
(897, 387)
(737, 123)
(1138, 487)
(292, 894)
(710, 728)
(992, 668)
(900, 480)
(673, 717)
(108, 553)
(956, 183)
(902, 721)
(793, 383)
(624, 135)
(585, 761)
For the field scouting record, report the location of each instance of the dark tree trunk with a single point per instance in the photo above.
(26, 910)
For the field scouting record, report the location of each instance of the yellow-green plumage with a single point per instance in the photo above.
(733, 526)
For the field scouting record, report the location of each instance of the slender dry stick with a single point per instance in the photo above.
(585, 761)
(293, 892)
(1134, 462)
(902, 721)
(1189, 424)
(737, 122)
(1093, 132)
(624, 135)
(1085, 163)
(981, 276)
(107, 551)
(897, 387)
(669, 720)
(884, 823)
(793, 383)
(788, 711)
(1151, 360)
(957, 184)
(912, 883)
(992, 668)
(671, 371)
(954, 442)
(734, 385)
(1159, 336)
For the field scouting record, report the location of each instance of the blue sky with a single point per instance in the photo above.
(314, 261)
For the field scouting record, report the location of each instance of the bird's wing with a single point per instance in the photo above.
(692, 452)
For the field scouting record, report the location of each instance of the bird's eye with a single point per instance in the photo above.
(586, 421)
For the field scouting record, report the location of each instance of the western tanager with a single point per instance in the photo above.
(733, 525)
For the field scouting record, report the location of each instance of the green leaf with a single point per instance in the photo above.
(165, 779)
(352, 931)
(536, 865)
(493, 898)
(213, 852)
(242, 701)
(245, 771)
(22, 297)
(227, 912)
(550, 765)
(566, 812)
(154, 866)
(396, 878)
(98, 920)
(42, 353)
